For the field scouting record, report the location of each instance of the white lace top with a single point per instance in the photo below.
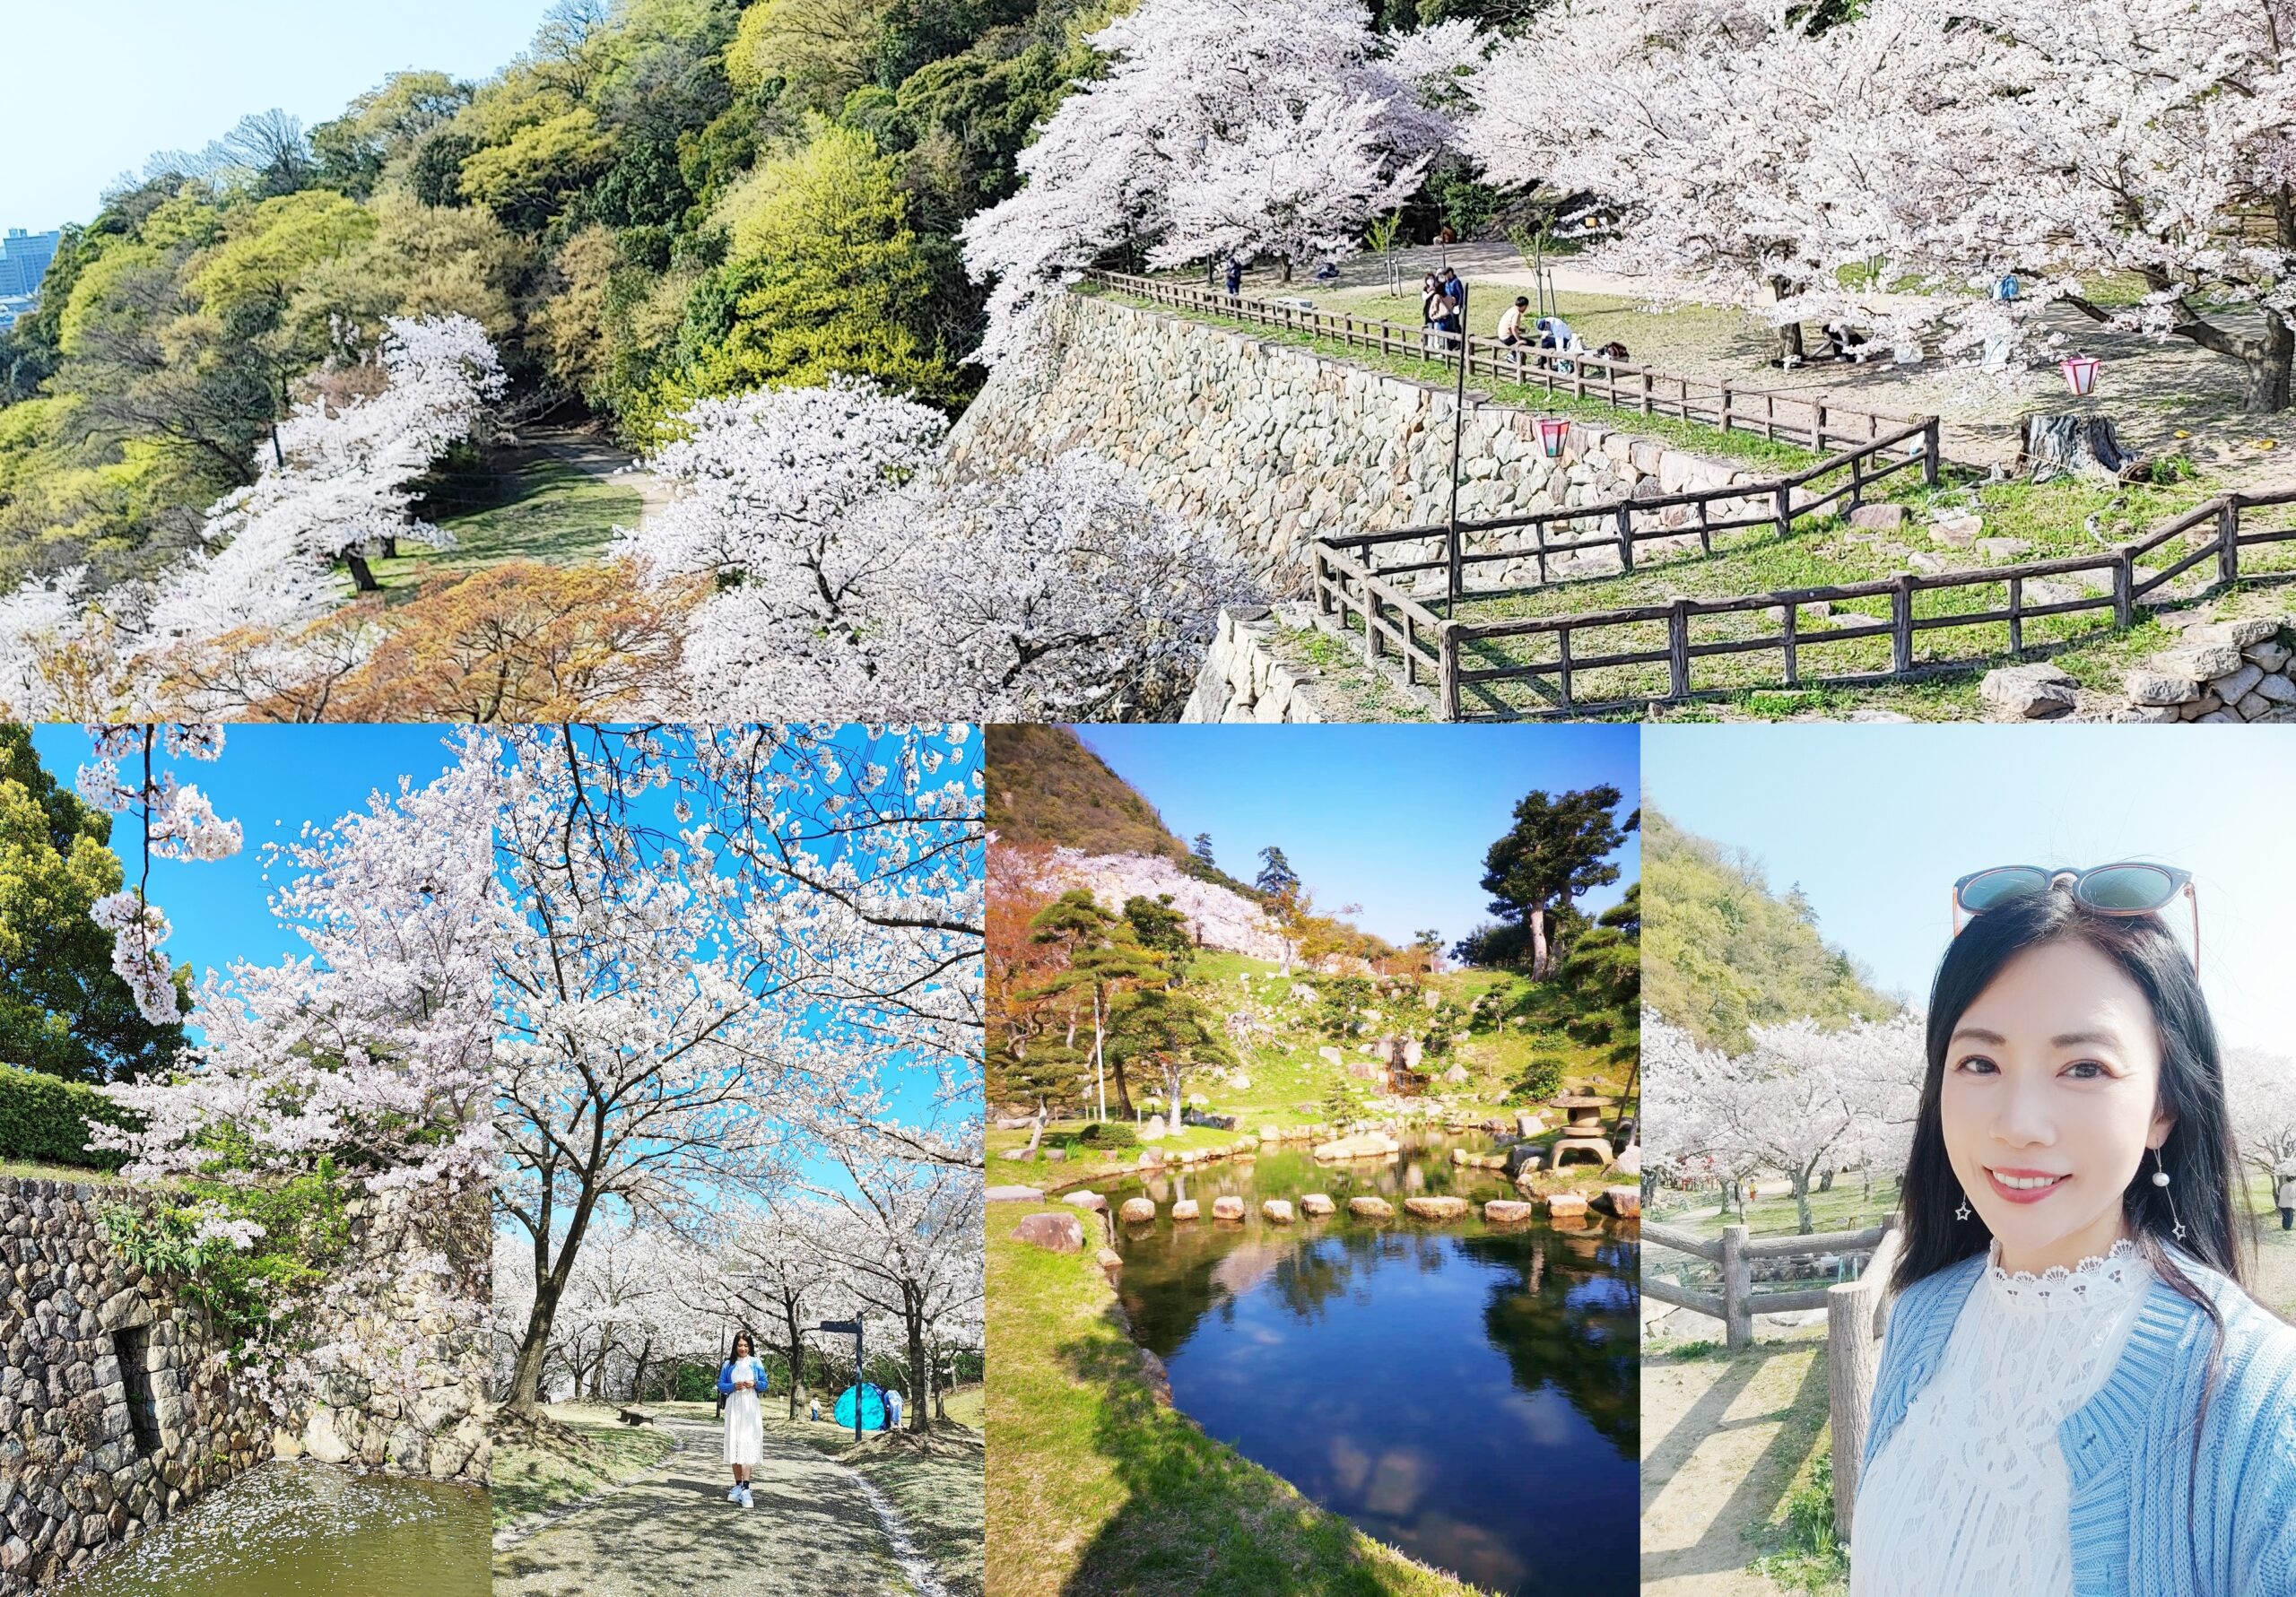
(1971, 1493)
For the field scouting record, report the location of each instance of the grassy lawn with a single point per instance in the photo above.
(31, 1170)
(592, 1451)
(1288, 1077)
(538, 505)
(1847, 1208)
(2273, 1282)
(1099, 1490)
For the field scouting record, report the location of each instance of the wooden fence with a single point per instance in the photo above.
(1451, 656)
(1856, 1314)
(1812, 420)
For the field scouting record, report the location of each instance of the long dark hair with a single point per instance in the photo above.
(2199, 1154)
(735, 1351)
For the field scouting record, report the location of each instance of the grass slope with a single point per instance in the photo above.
(536, 505)
(587, 1450)
(1046, 786)
(1722, 950)
(1099, 1490)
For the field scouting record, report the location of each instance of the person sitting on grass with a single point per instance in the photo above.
(740, 1381)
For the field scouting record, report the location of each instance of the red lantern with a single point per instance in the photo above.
(1554, 430)
(2080, 375)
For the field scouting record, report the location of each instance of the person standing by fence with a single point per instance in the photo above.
(2101, 1405)
(2284, 1197)
(1235, 279)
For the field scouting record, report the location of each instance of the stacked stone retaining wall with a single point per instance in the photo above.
(117, 1405)
(1267, 445)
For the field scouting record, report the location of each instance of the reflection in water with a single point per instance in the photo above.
(310, 1530)
(1466, 1392)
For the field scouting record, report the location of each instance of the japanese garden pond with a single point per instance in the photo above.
(1464, 1391)
(307, 1530)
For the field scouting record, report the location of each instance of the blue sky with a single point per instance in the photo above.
(97, 86)
(271, 780)
(1877, 822)
(1393, 818)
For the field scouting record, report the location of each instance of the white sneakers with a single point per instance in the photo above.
(744, 1498)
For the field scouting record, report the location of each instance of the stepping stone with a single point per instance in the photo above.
(1012, 1194)
(1061, 1233)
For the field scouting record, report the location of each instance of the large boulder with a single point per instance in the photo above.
(1369, 1208)
(1316, 1203)
(1507, 1212)
(1091, 1201)
(1624, 1202)
(1630, 1159)
(2158, 688)
(1186, 1209)
(1278, 1211)
(1565, 1205)
(1137, 1211)
(1228, 1207)
(1062, 1233)
(1436, 1209)
(2028, 692)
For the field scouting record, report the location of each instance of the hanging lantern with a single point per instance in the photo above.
(2080, 375)
(1553, 433)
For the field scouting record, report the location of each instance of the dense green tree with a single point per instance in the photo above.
(1275, 876)
(1103, 959)
(1558, 849)
(63, 1012)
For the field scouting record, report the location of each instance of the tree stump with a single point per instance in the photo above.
(2076, 444)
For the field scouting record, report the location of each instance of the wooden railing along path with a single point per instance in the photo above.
(1814, 421)
(1857, 1315)
(1439, 651)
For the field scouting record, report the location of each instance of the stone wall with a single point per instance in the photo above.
(1243, 680)
(1266, 445)
(2228, 672)
(117, 1410)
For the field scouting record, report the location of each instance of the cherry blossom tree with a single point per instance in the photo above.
(372, 1049)
(2262, 1089)
(1886, 171)
(178, 823)
(856, 581)
(721, 936)
(1801, 1100)
(1244, 126)
(908, 1238)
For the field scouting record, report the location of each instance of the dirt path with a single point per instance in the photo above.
(1722, 1437)
(672, 1533)
(594, 457)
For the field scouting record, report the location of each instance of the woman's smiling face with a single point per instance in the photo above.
(2050, 1096)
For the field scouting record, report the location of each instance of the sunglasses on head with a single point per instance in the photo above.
(2128, 887)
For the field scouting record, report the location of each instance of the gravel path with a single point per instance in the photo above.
(674, 1534)
(594, 457)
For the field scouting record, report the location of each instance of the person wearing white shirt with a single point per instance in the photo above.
(739, 1382)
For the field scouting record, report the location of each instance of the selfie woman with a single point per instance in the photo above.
(2076, 1393)
(740, 1379)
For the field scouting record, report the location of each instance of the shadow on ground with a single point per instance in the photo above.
(1723, 1436)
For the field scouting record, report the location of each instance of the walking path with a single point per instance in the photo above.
(672, 1534)
(1721, 1438)
(594, 458)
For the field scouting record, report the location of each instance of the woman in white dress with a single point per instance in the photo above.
(2076, 1393)
(739, 1383)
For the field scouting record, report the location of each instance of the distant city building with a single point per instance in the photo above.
(24, 262)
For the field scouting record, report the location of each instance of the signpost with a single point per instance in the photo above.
(851, 1328)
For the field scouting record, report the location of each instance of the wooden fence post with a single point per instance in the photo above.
(1929, 452)
(1626, 534)
(1857, 476)
(1678, 649)
(1792, 621)
(1902, 625)
(1446, 673)
(2228, 538)
(1726, 408)
(2124, 587)
(1782, 508)
(2016, 620)
(1854, 1321)
(1737, 1290)
(1370, 623)
(1818, 438)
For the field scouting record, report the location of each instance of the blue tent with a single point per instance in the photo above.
(872, 1407)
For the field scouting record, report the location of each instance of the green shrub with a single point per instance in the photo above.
(302, 1227)
(44, 1120)
(1110, 1133)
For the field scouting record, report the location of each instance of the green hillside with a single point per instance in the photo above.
(1722, 950)
(1046, 786)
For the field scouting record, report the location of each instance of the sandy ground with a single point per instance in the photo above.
(2154, 389)
(1717, 1454)
(672, 1533)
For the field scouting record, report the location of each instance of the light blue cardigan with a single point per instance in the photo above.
(2136, 1530)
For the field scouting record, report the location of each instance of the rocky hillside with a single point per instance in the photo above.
(1218, 916)
(1046, 786)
